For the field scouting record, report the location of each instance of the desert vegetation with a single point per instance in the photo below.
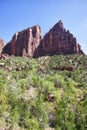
(43, 93)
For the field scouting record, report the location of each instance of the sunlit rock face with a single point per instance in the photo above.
(24, 43)
(29, 42)
(1, 45)
(58, 41)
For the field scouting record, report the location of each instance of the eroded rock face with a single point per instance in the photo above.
(58, 41)
(1, 45)
(29, 42)
(24, 43)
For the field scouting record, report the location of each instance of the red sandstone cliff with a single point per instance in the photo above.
(58, 41)
(24, 43)
(29, 42)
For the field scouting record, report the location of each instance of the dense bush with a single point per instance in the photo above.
(47, 92)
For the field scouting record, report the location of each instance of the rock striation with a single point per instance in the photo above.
(29, 42)
(24, 43)
(1, 45)
(58, 41)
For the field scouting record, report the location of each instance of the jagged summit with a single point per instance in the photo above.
(58, 41)
(59, 24)
(29, 42)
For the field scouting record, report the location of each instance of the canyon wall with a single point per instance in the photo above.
(24, 43)
(29, 42)
(58, 41)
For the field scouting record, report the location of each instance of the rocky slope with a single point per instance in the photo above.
(29, 42)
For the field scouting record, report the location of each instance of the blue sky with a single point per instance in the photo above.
(16, 15)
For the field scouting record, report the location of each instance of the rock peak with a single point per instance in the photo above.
(58, 41)
(29, 42)
(59, 25)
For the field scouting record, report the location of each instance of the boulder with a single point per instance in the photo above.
(4, 56)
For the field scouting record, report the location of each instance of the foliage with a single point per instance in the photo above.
(41, 93)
